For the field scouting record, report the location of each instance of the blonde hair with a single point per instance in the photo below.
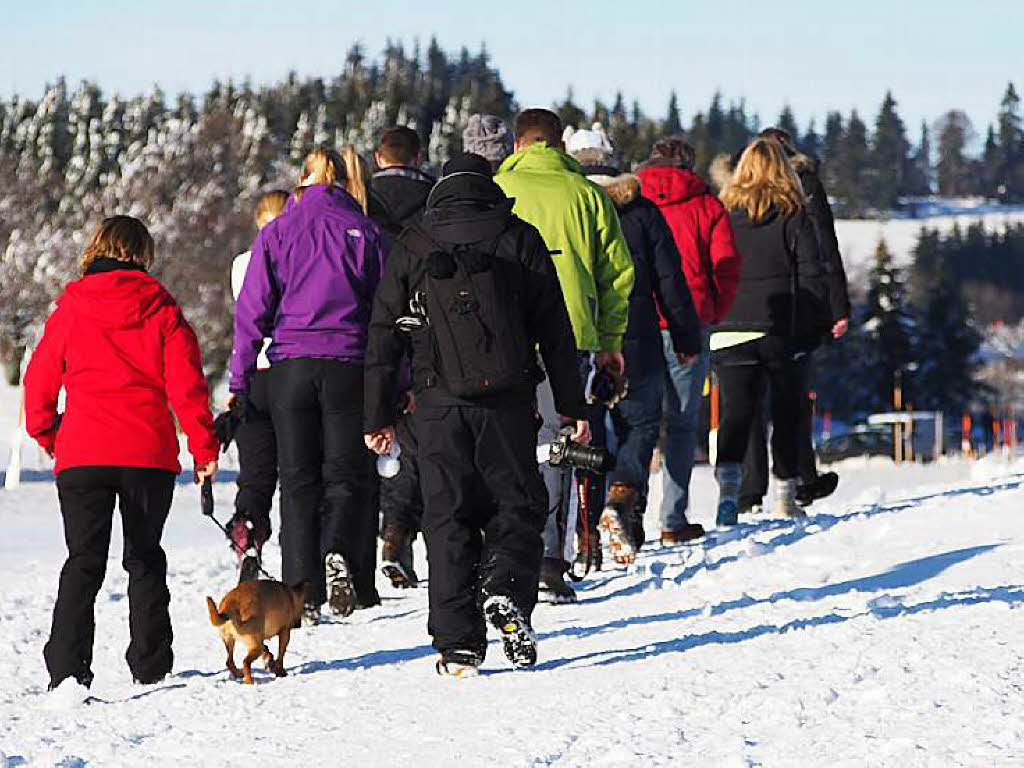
(356, 172)
(326, 166)
(270, 205)
(121, 238)
(764, 178)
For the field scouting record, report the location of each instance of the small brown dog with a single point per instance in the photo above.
(252, 613)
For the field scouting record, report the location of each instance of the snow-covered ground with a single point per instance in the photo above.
(858, 238)
(887, 630)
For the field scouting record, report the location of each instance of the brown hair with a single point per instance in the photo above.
(764, 178)
(538, 125)
(321, 166)
(675, 149)
(781, 135)
(122, 238)
(269, 206)
(399, 145)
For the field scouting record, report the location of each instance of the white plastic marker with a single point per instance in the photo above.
(13, 477)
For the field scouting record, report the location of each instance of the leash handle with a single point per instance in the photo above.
(206, 497)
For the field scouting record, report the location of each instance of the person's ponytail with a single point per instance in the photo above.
(355, 176)
(321, 166)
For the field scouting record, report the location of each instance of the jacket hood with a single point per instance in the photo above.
(667, 184)
(622, 188)
(540, 157)
(117, 299)
(466, 207)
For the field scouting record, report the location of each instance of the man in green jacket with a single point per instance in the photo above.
(580, 226)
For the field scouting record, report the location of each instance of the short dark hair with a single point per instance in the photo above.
(538, 125)
(399, 145)
(121, 238)
(781, 135)
(675, 149)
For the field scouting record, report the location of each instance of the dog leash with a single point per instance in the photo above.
(206, 505)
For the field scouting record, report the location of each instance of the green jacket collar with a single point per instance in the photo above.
(540, 157)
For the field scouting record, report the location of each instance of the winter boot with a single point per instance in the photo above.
(616, 521)
(729, 475)
(784, 499)
(750, 505)
(552, 579)
(310, 615)
(459, 662)
(516, 633)
(589, 557)
(341, 595)
(637, 532)
(396, 557)
(688, 532)
(823, 485)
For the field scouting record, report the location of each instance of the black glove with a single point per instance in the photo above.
(227, 423)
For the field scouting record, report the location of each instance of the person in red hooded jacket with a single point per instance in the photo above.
(711, 265)
(121, 349)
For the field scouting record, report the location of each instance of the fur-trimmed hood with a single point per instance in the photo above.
(622, 188)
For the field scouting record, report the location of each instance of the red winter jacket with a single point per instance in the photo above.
(703, 236)
(123, 352)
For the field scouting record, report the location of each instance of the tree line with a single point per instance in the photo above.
(191, 166)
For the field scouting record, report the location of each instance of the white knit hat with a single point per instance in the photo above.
(594, 139)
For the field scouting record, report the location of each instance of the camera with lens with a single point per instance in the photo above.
(563, 453)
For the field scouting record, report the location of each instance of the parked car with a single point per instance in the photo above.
(862, 440)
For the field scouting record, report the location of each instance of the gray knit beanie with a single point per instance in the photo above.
(487, 136)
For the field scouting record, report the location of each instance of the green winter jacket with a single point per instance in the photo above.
(577, 219)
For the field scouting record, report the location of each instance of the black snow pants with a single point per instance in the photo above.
(484, 507)
(401, 502)
(257, 459)
(755, 463)
(326, 506)
(87, 496)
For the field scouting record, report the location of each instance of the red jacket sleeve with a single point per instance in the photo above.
(43, 379)
(186, 387)
(725, 261)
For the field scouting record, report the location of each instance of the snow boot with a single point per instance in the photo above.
(729, 476)
(459, 662)
(616, 521)
(784, 499)
(341, 595)
(589, 557)
(749, 505)
(516, 633)
(310, 616)
(688, 532)
(823, 485)
(636, 529)
(552, 579)
(396, 557)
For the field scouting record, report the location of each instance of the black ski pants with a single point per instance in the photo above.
(401, 501)
(316, 406)
(484, 507)
(257, 459)
(87, 497)
(755, 463)
(743, 372)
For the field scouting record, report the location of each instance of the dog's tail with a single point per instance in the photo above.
(216, 618)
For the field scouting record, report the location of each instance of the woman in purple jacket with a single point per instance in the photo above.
(310, 287)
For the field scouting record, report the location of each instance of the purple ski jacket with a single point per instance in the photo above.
(310, 284)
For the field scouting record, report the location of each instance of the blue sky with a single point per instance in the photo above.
(813, 55)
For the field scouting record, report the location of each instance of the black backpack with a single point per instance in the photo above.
(474, 317)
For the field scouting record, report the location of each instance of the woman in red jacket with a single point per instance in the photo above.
(120, 347)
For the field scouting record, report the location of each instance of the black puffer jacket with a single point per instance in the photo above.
(397, 196)
(657, 275)
(782, 289)
(463, 209)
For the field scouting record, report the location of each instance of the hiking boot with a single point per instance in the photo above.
(784, 499)
(459, 662)
(728, 475)
(750, 505)
(517, 635)
(396, 557)
(552, 579)
(688, 532)
(341, 595)
(823, 485)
